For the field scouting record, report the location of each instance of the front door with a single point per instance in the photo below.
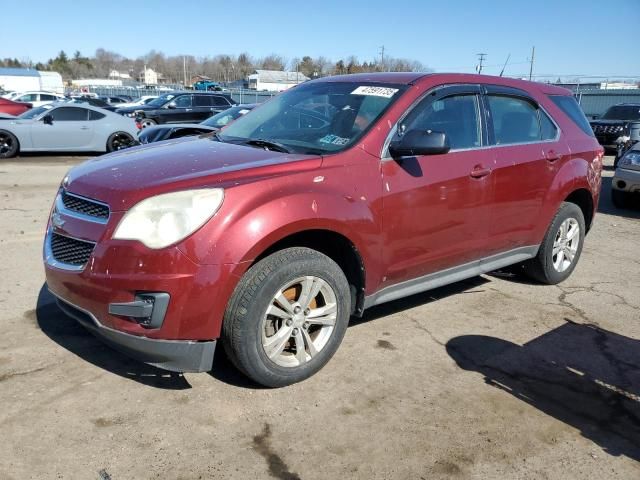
(181, 110)
(70, 129)
(435, 207)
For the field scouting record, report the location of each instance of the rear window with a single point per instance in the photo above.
(571, 108)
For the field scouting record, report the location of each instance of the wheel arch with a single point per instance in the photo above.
(583, 199)
(337, 247)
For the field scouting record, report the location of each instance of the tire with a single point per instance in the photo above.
(619, 198)
(550, 268)
(118, 141)
(249, 331)
(147, 122)
(9, 145)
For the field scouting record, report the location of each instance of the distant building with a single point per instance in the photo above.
(275, 80)
(23, 79)
(618, 86)
(115, 74)
(148, 76)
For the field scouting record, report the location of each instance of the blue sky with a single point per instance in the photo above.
(572, 37)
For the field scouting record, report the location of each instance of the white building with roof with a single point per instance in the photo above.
(25, 79)
(275, 80)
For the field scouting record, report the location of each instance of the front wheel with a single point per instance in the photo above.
(561, 248)
(9, 145)
(147, 122)
(287, 317)
(119, 141)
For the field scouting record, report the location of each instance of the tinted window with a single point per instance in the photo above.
(220, 102)
(183, 101)
(457, 116)
(623, 112)
(571, 108)
(202, 101)
(69, 114)
(46, 98)
(28, 97)
(514, 120)
(93, 115)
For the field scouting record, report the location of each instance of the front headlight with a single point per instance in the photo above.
(630, 159)
(165, 219)
(131, 114)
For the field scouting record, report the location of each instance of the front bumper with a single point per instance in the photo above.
(626, 180)
(173, 355)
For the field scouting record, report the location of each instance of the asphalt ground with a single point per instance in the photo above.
(493, 377)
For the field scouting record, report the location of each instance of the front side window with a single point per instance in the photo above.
(183, 101)
(457, 116)
(28, 97)
(316, 117)
(514, 120)
(69, 114)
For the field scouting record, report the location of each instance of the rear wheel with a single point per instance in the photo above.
(118, 141)
(561, 248)
(287, 317)
(9, 145)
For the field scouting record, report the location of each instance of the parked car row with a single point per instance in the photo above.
(618, 129)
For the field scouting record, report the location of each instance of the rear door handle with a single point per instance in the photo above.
(479, 171)
(552, 155)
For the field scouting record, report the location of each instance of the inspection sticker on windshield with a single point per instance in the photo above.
(334, 140)
(375, 91)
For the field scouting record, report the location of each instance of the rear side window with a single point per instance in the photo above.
(220, 102)
(571, 108)
(93, 115)
(201, 101)
(514, 120)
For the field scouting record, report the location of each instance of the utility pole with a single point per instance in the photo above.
(533, 54)
(481, 57)
(184, 71)
(382, 57)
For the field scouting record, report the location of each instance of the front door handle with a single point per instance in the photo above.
(84, 128)
(480, 171)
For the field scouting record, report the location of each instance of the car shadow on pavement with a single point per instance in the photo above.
(583, 375)
(606, 204)
(70, 335)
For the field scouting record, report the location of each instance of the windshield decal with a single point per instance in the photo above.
(334, 140)
(375, 91)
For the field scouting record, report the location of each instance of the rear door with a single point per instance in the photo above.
(527, 150)
(70, 130)
(202, 107)
(435, 207)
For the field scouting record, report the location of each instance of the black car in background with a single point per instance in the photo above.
(178, 107)
(619, 128)
(211, 124)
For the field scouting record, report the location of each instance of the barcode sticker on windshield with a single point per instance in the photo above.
(375, 91)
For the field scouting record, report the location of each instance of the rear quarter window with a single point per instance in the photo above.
(571, 108)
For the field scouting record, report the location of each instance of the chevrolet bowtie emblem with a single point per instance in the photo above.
(57, 220)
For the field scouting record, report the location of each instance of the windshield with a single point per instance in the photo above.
(323, 117)
(34, 112)
(161, 100)
(221, 119)
(623, 112)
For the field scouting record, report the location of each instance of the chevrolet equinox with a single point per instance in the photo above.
(338, 194)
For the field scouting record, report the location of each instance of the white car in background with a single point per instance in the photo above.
(37, 99)
(66, 127)
(141, 101)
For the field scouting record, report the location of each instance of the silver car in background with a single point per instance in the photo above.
(626, 179)
(65, 127)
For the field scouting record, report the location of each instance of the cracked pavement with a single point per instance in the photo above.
(493, 377)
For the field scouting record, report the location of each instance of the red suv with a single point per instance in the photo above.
(337, 195)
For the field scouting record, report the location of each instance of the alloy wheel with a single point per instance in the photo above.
(299, 321)
(565, 245)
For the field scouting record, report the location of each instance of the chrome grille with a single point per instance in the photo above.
(70, 250)
(84, 206)
(603, 129)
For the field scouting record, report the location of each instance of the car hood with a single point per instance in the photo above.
(123, 178)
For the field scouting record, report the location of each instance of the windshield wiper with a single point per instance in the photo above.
(267, 144)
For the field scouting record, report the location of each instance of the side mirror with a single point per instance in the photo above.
(172, 105)
(47, 119)
(420, 142)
